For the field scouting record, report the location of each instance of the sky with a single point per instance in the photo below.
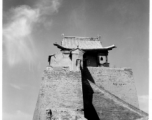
(30, 27)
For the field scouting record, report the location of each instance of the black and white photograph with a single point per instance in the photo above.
(75, 59)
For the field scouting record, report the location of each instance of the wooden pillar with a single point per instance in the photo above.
(106, 58)
(106, 54)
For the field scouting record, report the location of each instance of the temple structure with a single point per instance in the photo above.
(84, 51)
(79, 84)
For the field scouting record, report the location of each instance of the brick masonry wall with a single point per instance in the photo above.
(110, 107)
(119, 82)
(111, 110)
(60, 89)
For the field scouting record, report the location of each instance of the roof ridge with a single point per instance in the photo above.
(82, 38)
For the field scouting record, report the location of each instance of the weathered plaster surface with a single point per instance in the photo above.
(110, 107)
(111, 95)
(61, 60)
(119, 82)
(60, 91)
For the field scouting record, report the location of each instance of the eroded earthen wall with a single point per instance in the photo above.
(60, 90)
(119, 82)
(108, 109)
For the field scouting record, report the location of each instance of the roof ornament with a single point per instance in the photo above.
(99, 37)
(62, 35)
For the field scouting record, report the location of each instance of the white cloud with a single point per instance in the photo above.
(15, 86)
(21, 86)
(144, 102)
(48, 6)
(17, 32)
(18, 115)
(17, 36)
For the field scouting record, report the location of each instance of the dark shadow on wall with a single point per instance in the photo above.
(89, 110)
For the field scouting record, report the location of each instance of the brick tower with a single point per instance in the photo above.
(79, 84)
(60, 96)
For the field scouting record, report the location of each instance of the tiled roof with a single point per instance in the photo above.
(82, 43)
(85, 43)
